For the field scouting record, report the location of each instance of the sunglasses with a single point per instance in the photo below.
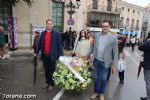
(105, 26)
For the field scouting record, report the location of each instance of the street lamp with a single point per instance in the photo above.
(71, 10)
(71, 7)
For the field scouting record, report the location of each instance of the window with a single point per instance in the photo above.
(57, 15)
(121, 21)
(122, 8)
(137, 24)
(132, 25)
(133, 11)
(109, 5)
(128, 10)
(138, 12)
(127, 22)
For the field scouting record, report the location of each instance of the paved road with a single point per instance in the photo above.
(16, 77)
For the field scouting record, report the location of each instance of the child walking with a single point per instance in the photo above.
(121, 67)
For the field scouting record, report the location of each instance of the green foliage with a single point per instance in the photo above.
(63, 77)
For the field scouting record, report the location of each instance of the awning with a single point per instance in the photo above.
(126, 32)
(136, 32)
(132, 33)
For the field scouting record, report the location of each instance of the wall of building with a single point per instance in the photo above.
(137, 15)
(35, 15)
(146, 21)
(38, 13)
(41, 10)
(105, 11)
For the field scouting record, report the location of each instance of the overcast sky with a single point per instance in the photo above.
(139, 2)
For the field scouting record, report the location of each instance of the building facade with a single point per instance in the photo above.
(41, 10)
(89, 15)
(146, 22)
(100, 10)
(130, 19)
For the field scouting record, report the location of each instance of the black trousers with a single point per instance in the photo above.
(133, 45)
(49, 67)
(121, 76)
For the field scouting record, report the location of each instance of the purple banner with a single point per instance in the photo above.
(12, 33)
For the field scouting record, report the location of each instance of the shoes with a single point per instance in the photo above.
(143, 98)
(94, 95)
(101, 97)
(121, 82)
(45, 86)
(50, 88)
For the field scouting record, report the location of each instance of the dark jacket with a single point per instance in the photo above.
(146, 48)
(35, 44)
(56, 47)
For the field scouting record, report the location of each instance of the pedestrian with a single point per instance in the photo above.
(128, 41)
(2, 43)
(73, 38)
(51, 49)
(122, 65)
(90, 37)
(82, 45)
(105, 53)
(66, 39)
(121, 43)
(35, 43)
(146, 65)
(133, 41)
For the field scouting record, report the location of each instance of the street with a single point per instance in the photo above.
(16, 77)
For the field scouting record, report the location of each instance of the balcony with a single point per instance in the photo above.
(102, 8)
(137, 28)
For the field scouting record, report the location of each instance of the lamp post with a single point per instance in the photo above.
(71, 10)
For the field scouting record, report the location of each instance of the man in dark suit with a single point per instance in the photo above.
(51, 49)
(146, 65)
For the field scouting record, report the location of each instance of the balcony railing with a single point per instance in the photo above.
(102, 8)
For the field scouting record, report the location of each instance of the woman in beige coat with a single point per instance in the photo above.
(82, 45)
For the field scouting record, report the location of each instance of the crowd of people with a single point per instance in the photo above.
(104, 50)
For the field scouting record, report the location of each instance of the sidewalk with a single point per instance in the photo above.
(19, 52)
(25, 52)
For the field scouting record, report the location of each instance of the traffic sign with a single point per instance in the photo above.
(70, 22)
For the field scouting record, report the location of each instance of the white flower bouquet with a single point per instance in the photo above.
(72, 73)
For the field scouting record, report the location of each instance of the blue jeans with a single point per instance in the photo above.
(100, 76)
